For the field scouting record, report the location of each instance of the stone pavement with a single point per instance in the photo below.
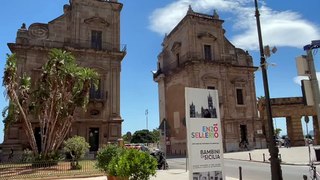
(291, 156)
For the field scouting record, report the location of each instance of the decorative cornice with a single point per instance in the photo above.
(206, 35)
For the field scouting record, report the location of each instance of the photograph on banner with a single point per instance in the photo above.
(205, 151)
(207, 175)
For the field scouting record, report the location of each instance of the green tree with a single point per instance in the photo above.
(127, 137)
(142, 136)
(76, 147)
(156, 135)
(277, 132)
(62, 87)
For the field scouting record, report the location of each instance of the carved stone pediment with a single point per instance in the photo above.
(97, 20)
(38, 31)
(206, 35)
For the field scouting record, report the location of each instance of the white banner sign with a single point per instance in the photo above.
(205, 151)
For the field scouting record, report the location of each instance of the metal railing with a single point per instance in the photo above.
(46, 169)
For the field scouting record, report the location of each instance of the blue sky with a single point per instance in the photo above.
(286, 24)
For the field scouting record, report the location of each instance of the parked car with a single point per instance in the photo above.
(140, 147)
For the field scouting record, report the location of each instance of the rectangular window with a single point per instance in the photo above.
(95, 93)
(96, 40)
(178, 59)
(207, 52)
(240, 97)
(211, 87)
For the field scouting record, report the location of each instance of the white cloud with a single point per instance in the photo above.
(163, 20)
(286, 28)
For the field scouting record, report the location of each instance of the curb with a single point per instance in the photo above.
(282, 163)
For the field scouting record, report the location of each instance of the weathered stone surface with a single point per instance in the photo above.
(73, 31)
(197, 54)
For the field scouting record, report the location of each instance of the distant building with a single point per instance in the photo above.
(192, 111)
(208, 112)
(197, 54)
(90, 30)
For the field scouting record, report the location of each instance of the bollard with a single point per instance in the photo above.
(250, 156)
(240, 173)
(264, 157)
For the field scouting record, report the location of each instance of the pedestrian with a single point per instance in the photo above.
(244, 145)
(289, 142)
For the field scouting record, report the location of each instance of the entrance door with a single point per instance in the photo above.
(37, 136)
(244, 133)
(94, 139)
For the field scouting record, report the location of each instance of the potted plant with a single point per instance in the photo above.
(132, 163)
(124, 164)
(105, 155)
(76, 147)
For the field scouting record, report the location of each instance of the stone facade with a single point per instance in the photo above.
(197, 54)
(90, 30)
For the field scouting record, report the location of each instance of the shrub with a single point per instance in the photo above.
(51, 159)
(27, 156)
(104, 156)
(136, 165)
(77, 147)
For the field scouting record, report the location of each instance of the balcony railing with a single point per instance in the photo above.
(77, 44)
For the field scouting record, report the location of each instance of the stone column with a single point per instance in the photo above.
(289, 127)
(295, 130)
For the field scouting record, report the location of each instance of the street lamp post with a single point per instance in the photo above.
(276, 173)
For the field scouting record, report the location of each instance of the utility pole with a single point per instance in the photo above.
(276, 173)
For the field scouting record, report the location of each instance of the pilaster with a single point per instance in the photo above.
(295, 130)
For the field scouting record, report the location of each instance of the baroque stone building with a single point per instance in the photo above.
(90, 30)
(197, 54)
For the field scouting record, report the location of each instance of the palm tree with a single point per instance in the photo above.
(62, 87)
